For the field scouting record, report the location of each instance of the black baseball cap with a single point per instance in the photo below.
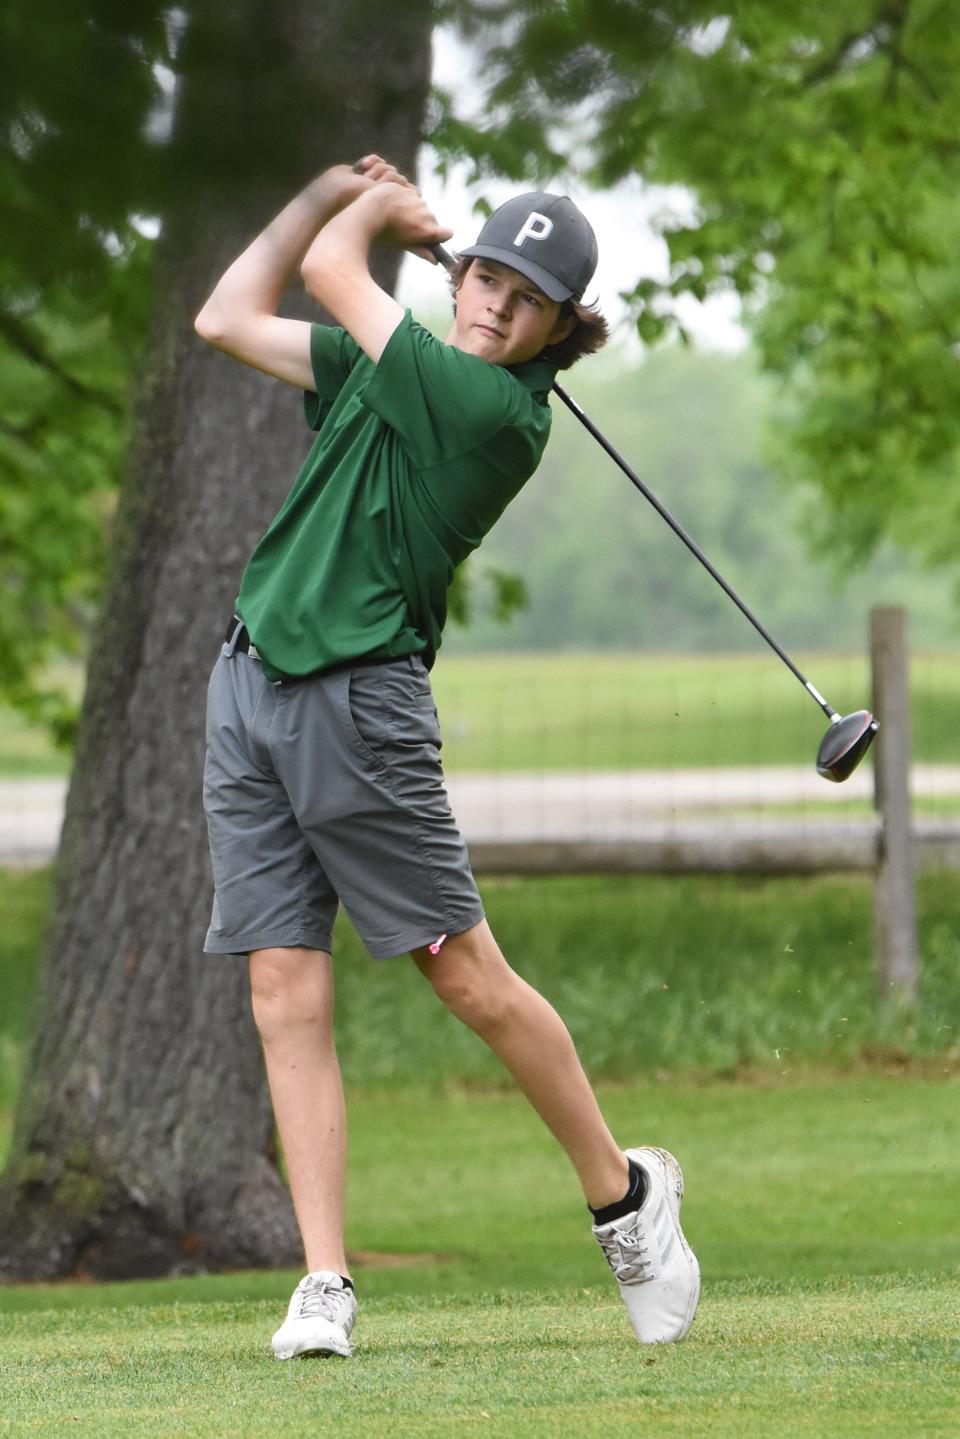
(546, 238)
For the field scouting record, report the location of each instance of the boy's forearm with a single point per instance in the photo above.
(257, 279)
(341, 250)
(336, 271)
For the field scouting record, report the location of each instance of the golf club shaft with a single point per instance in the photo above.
(693, 547)
(446, 259)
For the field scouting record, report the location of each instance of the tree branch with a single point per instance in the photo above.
(25, 434)
(893, 13)
(21, 339)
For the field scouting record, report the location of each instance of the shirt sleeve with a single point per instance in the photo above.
(440, 401)
(333, 354)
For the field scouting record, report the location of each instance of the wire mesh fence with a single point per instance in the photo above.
(654, 750)
(685, 762)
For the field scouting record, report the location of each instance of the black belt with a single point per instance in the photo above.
(238, 637)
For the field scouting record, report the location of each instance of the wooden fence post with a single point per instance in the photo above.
(895, 923)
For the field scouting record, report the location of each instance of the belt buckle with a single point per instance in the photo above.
(234, 631)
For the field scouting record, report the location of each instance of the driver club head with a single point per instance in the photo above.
(845, 744)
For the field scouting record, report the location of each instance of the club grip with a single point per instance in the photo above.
(442, 256)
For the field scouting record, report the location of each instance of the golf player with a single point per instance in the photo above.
(323, 780)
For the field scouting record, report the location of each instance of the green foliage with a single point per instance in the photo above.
(819, 143)
(820, 146)
(64, 383)
(500, 593)
(74, 295)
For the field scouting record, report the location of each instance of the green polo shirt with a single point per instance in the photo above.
(416, 457)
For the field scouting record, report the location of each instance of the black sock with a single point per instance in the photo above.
(633, 1199)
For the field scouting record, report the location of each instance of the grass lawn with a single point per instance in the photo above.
(821, 1148)
(628, 711)
(823, 1213)
(27, 752)
(853, 1359)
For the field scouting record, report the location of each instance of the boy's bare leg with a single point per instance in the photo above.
(292, 992)
(476, 984)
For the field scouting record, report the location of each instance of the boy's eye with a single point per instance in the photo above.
(532, 299)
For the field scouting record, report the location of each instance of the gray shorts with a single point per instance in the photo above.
(324, 788)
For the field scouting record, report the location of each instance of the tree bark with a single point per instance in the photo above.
(144, 1138)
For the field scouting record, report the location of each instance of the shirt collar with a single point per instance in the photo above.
(536, 375)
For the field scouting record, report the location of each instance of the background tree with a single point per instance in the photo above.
(87, 171)
(143, 1139)
(820, 144)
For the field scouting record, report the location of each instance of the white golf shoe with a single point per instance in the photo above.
(319, 1319)
(653, 1264)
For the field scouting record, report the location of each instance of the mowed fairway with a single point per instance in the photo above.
(570, 711)
(620, 711)
(823, 1211)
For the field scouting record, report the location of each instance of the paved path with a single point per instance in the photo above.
(31, 813)
(550, 806)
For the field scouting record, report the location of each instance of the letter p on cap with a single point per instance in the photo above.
(534, 227)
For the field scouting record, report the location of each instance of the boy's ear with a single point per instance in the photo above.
(562, 329)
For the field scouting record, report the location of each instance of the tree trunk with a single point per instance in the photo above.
(144, 1138)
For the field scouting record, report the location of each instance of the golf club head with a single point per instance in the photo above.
(845, 744)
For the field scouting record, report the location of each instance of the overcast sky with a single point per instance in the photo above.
(629, 247)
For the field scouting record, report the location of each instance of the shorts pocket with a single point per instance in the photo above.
(392, 711)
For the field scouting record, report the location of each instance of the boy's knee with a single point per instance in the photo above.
(477, 989)
(290, 987)
(472, 1002)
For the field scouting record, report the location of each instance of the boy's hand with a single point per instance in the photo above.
(346, 183)
(398, 213)
(373, 167)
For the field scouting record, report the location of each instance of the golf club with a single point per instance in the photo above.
(849, 736)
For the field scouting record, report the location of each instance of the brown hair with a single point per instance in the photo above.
(589, 334)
